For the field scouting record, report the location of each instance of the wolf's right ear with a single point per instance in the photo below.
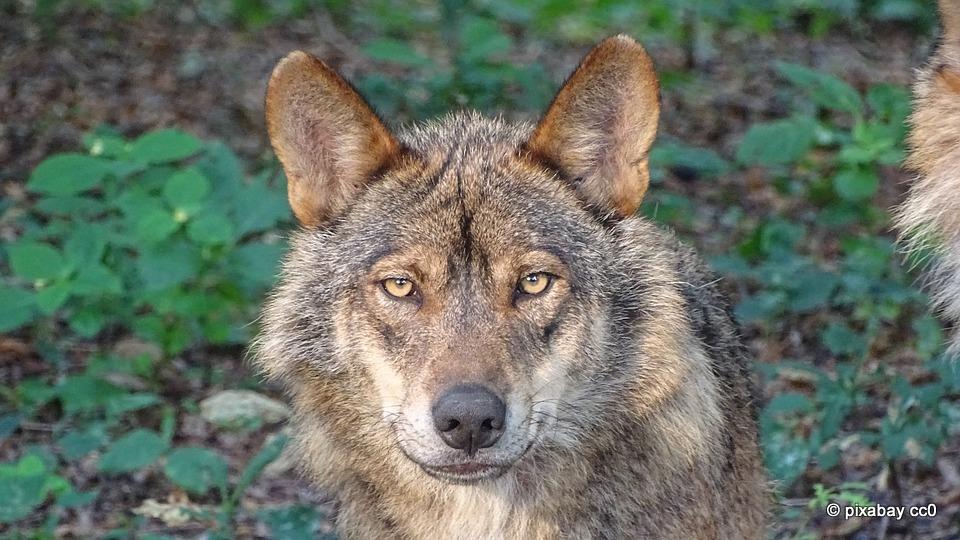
(328, 139)
(600, 126)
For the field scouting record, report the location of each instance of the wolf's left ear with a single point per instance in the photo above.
(328, 139)
(600, 126)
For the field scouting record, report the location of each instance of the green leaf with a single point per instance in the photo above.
(186, 189)
(104, 144)
(256, 263)
(164, 146)
(812, 290)
(211, 229)
(842, 340)
(889, 102)
(84, 393)
(258, 207)
(29, 465)
(74, 499)
(223, 168)
(95, 280)
(50, 298)
(66, 174)
(85, 245)
(76, 444)
(34, 260)
(786, 457)
(133, 451)
(826, 90)
(134, 201)
(196, 469)
(19, 308)
(34, 392)
(72, 206)
(167, 265)
(788, 403)
(23, 487)
(88, 320)
(396, 52)
(481, 39)
(856, 184)
(125, 403)
(762, 306)
(777, 143)
(155, 225)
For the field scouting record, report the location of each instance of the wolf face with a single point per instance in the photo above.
(480, 337)
(465, 289)
(454, 290)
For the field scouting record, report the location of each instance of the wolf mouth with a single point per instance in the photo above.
(465, 473)
(470, 472)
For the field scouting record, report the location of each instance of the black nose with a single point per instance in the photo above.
(469, 417)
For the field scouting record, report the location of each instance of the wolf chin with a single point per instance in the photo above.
(481, 338)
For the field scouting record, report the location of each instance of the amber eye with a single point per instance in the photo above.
(398, 287)
(535, 283)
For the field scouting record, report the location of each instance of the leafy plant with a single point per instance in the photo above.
(134, 236)
(163, 237)
(830, 155)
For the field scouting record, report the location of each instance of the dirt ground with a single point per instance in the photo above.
(167, 68)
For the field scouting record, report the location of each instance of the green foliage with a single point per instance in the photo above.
(95, 415)
(25, 485)
(777, 143)
(196, 470)
(474, 71)
(133, 237)
(162, 237)
(133, 451)
(831, 158)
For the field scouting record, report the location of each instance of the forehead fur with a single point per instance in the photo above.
(467, 185)
(477, 136)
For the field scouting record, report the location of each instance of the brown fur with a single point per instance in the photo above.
(581, 135)
(304, 99)
(930, 217)
(631, 412)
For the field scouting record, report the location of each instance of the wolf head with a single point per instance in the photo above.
(455, 288)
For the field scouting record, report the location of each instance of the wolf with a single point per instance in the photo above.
(929, 218)
(480, 336)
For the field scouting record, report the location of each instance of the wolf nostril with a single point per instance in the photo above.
(469, 417)
(451, 425)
